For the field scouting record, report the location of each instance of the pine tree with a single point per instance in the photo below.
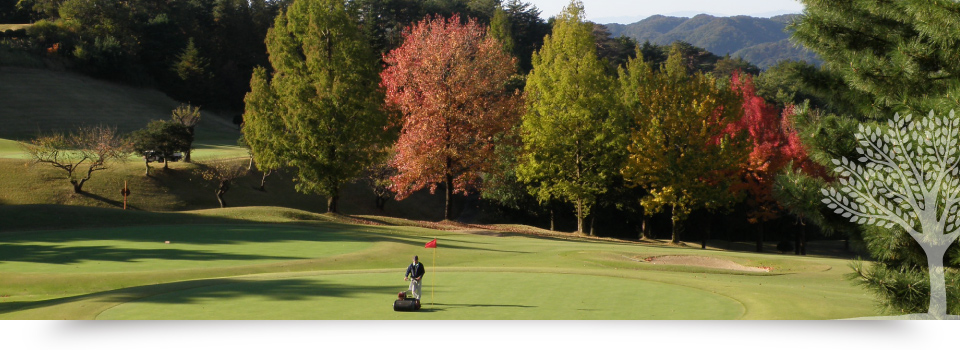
(890, 57)
(323, 99)
(573, 136)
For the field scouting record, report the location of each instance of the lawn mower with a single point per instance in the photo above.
(404, 303)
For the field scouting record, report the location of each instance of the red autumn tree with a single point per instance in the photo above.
(448, 81)
(775, 145)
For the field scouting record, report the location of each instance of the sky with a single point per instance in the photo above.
(629, 11)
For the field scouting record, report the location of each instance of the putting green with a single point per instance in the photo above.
(143, 248)
(458, 295)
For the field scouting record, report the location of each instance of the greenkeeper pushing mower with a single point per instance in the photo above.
(415, 274)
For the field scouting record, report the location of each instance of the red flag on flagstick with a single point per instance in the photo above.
(431, 244)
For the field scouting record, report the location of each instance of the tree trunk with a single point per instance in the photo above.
(706, 231)
(593, 220)
(263, 180)
(579, 217)
(166, 164)
(645, 227)
(552, 217)
(147, 164)
(250, 165)
(77, 185)
(220, 193)
(760, 236)
(186, 154)
(448, 208)
(796, 240)
(381, 203)
(803, 240)
(677, 226)
(938, 291)
(332, 203)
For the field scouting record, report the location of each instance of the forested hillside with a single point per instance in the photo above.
(761, 41)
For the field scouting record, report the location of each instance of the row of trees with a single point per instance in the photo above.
(205, 51)
(448, 114)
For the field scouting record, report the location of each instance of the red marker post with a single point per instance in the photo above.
(125, 192)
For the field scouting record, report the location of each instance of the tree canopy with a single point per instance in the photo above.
(572, 132)
(449, 82)
(324, 92)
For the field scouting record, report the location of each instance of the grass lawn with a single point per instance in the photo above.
(461, 295)
(308, 266)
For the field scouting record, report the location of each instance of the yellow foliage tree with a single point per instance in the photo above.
(679, 149)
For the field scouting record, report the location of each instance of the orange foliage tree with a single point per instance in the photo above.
(448, 80)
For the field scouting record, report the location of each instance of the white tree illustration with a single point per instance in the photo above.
(906, 175)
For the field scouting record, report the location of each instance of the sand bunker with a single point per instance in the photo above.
(704, 261)
(482, 232)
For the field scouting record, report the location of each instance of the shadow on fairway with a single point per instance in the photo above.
(281, 290)
(231, 232)
(484, 305)
(58, 254)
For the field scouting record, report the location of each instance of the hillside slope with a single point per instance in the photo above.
(762, 41)
(37, 101)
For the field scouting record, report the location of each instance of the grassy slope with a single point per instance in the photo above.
(130, 264)
(28, 110)
(181, 188)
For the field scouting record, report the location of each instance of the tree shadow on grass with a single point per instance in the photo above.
(111, 202)
(60, 254)
(198, 291)
(277, 290)
(485, 305)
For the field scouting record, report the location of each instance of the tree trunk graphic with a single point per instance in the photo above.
(907, 175)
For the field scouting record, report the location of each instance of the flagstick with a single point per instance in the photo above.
(433, 281)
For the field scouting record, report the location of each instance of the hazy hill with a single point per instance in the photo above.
(762, 41)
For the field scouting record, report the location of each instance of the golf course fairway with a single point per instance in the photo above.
(462, 295)
(286, 264)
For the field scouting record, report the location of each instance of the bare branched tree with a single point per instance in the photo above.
(907, 178)
(80, 153)
(224, 172)
(189, 116)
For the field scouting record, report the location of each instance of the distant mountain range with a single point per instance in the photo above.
(761, 41)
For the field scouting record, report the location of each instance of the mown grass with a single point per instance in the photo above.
(290, 265)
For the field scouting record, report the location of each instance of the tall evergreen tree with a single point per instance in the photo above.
(327, 97)
(890, 57)
(501, 29)
(573, 136)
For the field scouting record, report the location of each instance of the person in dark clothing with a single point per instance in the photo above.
(415, 274)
